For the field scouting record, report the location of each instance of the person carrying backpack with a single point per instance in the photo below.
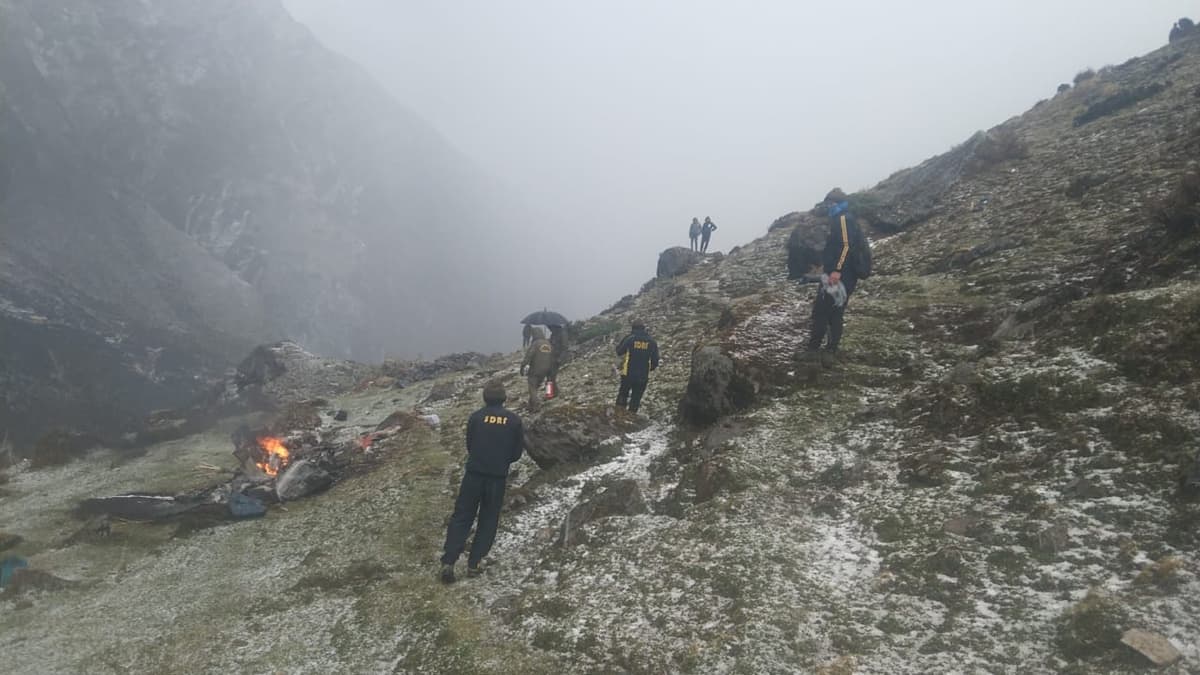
(706, 231)
(846, 259)
(694, 234)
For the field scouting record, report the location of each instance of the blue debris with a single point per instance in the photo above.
(244, 506)
(10, 565)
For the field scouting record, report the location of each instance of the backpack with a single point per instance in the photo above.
(862, 261)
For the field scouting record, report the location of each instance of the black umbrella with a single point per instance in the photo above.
(545, 318)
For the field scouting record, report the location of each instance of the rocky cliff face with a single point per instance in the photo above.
(181, 180)
(989, 481)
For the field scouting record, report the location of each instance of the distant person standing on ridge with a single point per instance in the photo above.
(846, 259)
(527, 336)
(495, 437)
(706, 231)
(539, 363)
(641, 356)
(694, 233)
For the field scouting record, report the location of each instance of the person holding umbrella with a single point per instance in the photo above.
(539, 365)
(557, 323)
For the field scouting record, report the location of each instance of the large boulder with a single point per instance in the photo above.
(676, 261)
(575, 434)
(716, 388)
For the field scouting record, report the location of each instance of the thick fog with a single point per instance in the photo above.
(620, 121)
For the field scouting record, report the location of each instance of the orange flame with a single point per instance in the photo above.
(277, 455)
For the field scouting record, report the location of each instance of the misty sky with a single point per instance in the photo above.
(622, 120)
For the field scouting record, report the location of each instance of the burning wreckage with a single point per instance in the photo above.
(273, 469)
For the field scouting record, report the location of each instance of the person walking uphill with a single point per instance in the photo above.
(706, 231)
(641, 356)
(539, 365)
(495, 436)
(846, 259)
(694, 233)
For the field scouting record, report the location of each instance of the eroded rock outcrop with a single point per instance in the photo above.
(715, 388)
(576, 434)
(676, 260)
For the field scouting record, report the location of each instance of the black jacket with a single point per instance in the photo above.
(840, 254)
(641, 356)
(495, 437)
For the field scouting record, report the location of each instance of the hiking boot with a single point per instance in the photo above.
(806, 356)
(447, 575)
(829, 359)
(475, 569)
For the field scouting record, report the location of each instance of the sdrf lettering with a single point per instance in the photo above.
(494, 419)
(641, 344)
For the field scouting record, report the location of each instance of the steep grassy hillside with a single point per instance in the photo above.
(988, 482)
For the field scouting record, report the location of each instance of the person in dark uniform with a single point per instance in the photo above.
(694, 234)
(495, 436)
(706, 231)
(539, 363)
(840, 263)
(558, 342)
(641, 356)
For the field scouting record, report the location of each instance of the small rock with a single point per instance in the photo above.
(341, 416)
(8, 541)
(441, 391)
(1053, 539)
(1084, 488)
(1153, 646)
(959, 526)
(616, 498)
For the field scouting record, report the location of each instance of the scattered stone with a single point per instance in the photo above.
(8, 541)
(925, 469)
(341, 416)
(1084, 488)
(441, 391)
(1053, 539)
(401, 420)
(300, 479)
(711, 477)
(1156, 648)
(828, 504)
(958, 526)
(621, 497)
(676, 260)
(575, 434)
(167, 425)
(715, 388)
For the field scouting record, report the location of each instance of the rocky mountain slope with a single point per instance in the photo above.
(180, 181)
(989, 482)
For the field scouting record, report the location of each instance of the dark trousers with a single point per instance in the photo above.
(630, 393)
(829, 319)
(704, 243)
(696, 243)
(482, 494)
